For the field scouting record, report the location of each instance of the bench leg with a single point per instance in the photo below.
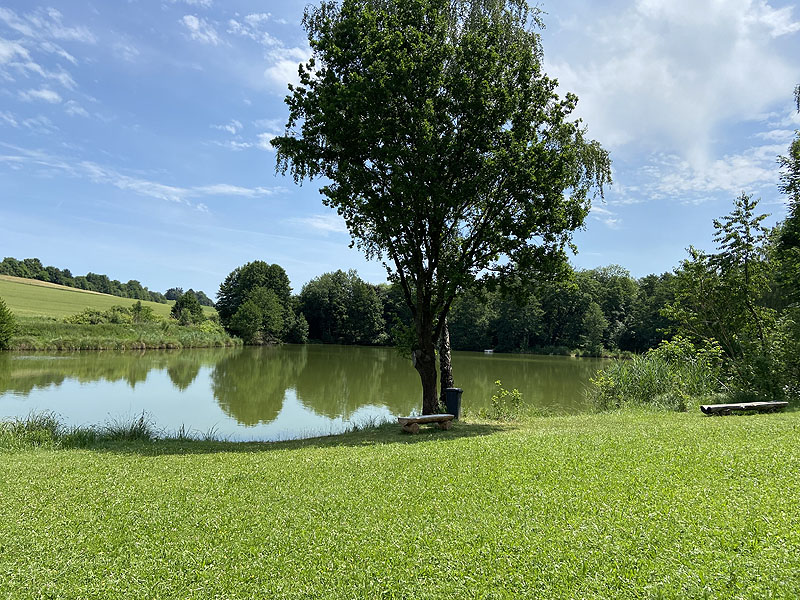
(411, 428)
(445, 425)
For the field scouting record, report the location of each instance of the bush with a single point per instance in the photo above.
(667, 377)
(506, 405)
(90, 316)
(8, 325)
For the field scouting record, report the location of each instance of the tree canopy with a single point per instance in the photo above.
(446, 148)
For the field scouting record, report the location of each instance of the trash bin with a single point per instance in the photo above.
(453, 401)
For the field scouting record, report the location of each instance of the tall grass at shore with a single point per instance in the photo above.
(672, 376)
(42, 333)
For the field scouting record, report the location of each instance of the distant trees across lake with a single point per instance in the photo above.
(32, 268)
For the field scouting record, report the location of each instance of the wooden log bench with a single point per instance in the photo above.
(726, 409)
(411, 424)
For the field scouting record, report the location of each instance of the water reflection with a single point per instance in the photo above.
(270, 391)
(251, 385)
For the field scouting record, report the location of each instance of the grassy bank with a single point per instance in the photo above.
(42, 333)
(618, 505)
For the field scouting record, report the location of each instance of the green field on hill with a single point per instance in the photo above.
(29, 298)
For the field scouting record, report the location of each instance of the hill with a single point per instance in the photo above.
(30, 297)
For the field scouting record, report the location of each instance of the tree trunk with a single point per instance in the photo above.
(424, 359)
(445, 365)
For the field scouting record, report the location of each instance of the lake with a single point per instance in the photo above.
(268, 393)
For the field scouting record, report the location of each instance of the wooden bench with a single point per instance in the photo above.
(411, 424)
(726, 409)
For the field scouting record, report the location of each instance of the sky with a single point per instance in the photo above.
(134, 135)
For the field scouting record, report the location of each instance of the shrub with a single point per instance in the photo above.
(506, 405)
(8, 325)
(668, 377)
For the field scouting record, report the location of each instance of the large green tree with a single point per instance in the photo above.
(444, 144)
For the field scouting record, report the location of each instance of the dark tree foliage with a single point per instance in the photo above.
(187, 310)
(263, 295)
(8, 325)
(173, 293)
(448, 152)
(342, 308)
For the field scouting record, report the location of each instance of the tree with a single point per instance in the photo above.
(187, 310)
(342, 308)
(447, 150)
(8, 325)
(267, 287)
(173, 293)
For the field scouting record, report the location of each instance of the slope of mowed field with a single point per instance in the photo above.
(28, 297)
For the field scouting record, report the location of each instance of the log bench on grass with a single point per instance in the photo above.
(411, 424)
(726, 409)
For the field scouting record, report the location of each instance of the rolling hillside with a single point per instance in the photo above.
(29, 297)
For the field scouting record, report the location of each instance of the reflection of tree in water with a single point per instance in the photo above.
(251, 385)
(183, 372)
(22, 374)
(338, 380)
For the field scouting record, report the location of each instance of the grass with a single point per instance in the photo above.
(39, 308)
(29, 297)
(40, 333)
(615, 505)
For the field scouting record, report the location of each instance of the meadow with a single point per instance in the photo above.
(29, 297)
(628, 504)
(40, 309)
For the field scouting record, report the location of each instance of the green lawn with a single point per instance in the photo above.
(29, 297)
(619, 505)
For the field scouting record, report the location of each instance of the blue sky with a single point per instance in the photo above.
(134, 136)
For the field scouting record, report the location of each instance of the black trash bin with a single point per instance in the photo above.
(453, 401)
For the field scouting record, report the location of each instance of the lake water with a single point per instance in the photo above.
(267, 393)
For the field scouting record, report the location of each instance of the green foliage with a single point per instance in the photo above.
(8, 325)
(38, 333)
(505, 405)
(90, 316)
(448, 152)
(670, 376)
(594, 326)
(187, 310)
(272, 310)
(342, 308)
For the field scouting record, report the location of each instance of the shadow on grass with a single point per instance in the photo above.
(388, 433)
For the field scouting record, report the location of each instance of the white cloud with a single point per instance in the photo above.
(224, 189)
(40, 124)
(10, 50)
(282, 60)
(233, 127)
(8, 119)
(329, 223)
(201, 3)
(126, 52)
(284, 70)
(59, 51)
(74, 109)
(45, 24)
(666, 75)
(264, 140)
(201, 30)
(43, 94)
(104, 175)
(671, 176)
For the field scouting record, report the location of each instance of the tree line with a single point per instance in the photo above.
(32, 268)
